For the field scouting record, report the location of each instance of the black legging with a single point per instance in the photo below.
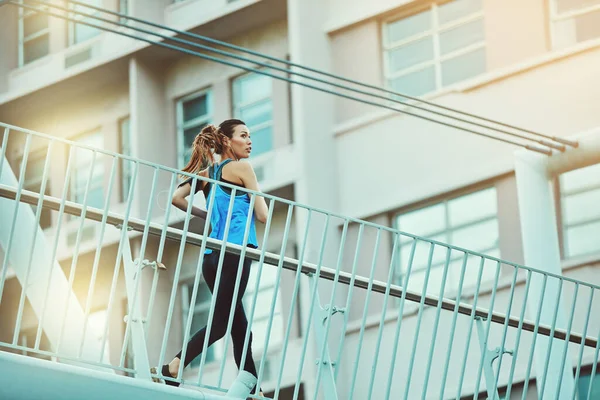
(222, 310)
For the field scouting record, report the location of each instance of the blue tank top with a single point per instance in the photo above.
(241, 207)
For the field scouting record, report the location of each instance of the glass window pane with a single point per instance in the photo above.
(190, 134)
(463, 67)
(478, 237)
(257, 114)
(36, 48)
(251, 87)
(262, 140)
(34, 23)
(423, 222)
(473, 207)
(407, 27)
(581, 207)
(421, 257)
(458, 9)
(461, 36)
(125, 136)
(583, 239)
(568, 5)
(411, 54)
(195, 108)
(416, 83)
(580, 178)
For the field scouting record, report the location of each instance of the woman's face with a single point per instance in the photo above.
(240, 142)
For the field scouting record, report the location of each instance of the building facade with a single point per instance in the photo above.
(533, 64)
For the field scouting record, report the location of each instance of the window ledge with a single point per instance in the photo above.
(469, 85)
(505, 282)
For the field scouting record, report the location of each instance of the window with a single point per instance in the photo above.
(252, 104)
(580, 206)
(574, 21)
(469, 221)
(199, 316)
(262, 310)
(33, 182)
(123, 9)
(34, 35)
(80, 172)
(79, 33)
(193, 114)
(442, 45)
(126, 165)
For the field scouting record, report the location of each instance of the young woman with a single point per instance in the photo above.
(231, 141)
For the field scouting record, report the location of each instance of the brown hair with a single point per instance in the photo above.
(211, 140)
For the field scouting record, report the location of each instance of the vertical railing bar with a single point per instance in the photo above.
(61, 211)
(594, 366)
(582, 346)
(419, 319)
(3, 150)
(96, 263)
(38, 214)
(365, 312)
(400, 317)
(236, 289)
(13, 224)
(117, 267)
(436, 323)
(324, 345)
(489, 327)
(338, 359)
(261, 263)
(453, 326)
(470, 330)
(75, 254)
(383, 312)
(286, 232)
(565, 351)
(131, 303)
(293, 306)
(213, 301)
(312, 304)
(174, 289)
(518, 338)
(551, 338)
(161, 247)
(505, 328)
(534, 338)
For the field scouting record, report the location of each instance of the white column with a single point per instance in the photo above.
(541, 251)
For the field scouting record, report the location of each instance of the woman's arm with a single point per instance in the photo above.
(248, 177)
(179, 199)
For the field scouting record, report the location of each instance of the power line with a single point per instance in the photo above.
(338, 77)
(258, 71)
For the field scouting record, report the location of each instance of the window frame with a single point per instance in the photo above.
(72, 192)
(556, 17)
(399, 275)
(23, 40)
(71, 25)
(562, 224)
(236, 108)
(434, 32)
(39, 155)
(183, 125)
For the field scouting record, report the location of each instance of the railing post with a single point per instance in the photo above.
(488, 360)
(320, 316)
(134, 316)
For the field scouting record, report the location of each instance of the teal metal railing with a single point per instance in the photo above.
(371, 338)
